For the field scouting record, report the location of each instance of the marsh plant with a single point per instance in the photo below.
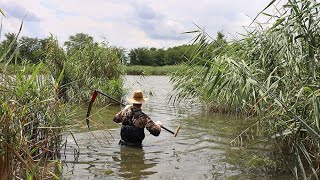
(272, 72)
(31, 115)
(37, 107)
(86, 66)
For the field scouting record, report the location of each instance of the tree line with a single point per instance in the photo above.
(171, 56)
(32, 50)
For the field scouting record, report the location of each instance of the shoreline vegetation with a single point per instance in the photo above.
(273, 73)
(39, 100)
(152, 70)
(128, 69)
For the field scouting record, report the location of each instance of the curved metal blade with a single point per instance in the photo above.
(93, 98)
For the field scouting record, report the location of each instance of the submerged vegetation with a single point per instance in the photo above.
(272, 72)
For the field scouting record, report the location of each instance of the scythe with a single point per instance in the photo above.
(93, 98)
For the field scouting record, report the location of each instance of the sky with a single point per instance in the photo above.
(129, 23)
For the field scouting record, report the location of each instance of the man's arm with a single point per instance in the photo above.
(118, 118)
(153, 128)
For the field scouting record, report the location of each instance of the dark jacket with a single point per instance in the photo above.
(133, 123)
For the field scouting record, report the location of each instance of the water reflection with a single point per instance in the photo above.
(133, 163)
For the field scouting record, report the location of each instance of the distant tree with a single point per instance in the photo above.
(133, 57)
(140, 56)
(27, 49)
(79, 41)
(44, 46)
(159, 57)
(152, 56)
(10, 44)
(30, 49)
(219, 44)
(178, 54)
(144, 56)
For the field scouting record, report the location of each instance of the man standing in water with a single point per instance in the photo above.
(134, 121)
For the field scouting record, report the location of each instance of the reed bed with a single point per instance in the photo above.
(29, 125)
(272, 72)
(40, 102)
(81, 71)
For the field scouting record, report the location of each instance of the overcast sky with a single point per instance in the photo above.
(129, 23)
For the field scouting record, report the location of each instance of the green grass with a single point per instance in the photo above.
(130, 70)
(11, 69)
(151, 70)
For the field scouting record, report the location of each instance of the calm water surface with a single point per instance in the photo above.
(200, 151)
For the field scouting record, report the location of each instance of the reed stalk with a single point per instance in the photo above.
(28, 102)
(273, 72)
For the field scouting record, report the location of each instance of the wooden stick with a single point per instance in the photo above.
(174, 133)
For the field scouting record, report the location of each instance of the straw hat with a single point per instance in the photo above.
(137, 97)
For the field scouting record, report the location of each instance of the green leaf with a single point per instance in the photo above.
(267, 14)
(188, 32)
(263, 10)
(32, 78)
(61, 74)
(54, 176)
(278, 102)
(308, 158)
(279, 21)
(2, 13)
(316, 110)
(308, 89)
(217, 78)
(253, 82)
(11, 45)
(301, 166)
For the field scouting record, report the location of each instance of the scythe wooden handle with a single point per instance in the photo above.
(174, 133)
(93, 98)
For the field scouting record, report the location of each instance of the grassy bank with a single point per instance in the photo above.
(12, 68)
(151, 70)
(130, 70)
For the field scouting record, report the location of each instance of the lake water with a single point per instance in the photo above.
(201, 149)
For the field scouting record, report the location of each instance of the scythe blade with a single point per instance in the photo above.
(93, 98)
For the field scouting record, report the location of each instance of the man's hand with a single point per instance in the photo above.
(158, 123)
(127, 107)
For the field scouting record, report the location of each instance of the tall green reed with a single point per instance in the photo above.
(36, 107)
(272, 71)
(30, 119)
(91, 67)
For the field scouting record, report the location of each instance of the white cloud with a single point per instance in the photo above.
(129, 23)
